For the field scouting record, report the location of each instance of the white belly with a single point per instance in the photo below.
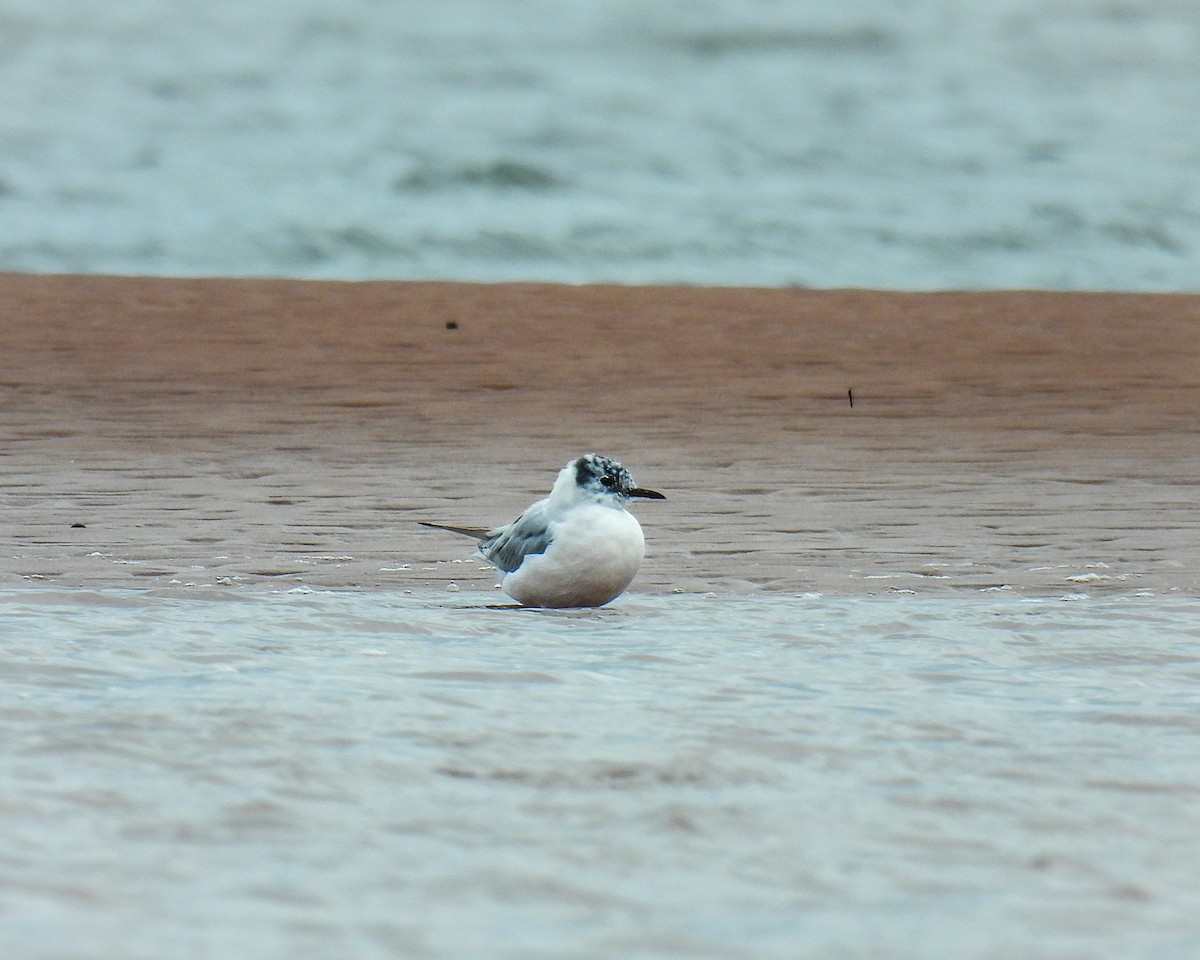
(594, 555)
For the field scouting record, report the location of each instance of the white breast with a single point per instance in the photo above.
(594, 555)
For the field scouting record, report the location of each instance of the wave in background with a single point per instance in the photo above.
(911, 145)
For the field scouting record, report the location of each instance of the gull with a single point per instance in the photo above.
(578, 547)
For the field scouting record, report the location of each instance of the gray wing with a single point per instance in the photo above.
(477, 532)
(508, 546)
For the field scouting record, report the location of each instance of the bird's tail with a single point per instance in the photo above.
(477, 533)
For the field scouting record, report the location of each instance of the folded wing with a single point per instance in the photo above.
(508, 546)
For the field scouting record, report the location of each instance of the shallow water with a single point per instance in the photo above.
(363, 774)
(909, 146)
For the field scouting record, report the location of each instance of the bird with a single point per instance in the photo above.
(578, 547)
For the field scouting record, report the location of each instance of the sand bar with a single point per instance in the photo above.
(239, 433)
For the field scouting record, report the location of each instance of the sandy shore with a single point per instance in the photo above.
(224, 432)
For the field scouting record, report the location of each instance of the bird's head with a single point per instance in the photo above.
(602, 479)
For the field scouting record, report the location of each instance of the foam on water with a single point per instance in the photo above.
(366, 774)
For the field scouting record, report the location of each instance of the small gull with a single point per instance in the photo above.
(578, 547)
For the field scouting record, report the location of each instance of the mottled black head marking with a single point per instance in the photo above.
(604, 474)
(591, 469)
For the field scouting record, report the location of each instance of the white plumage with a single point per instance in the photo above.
(578, 547)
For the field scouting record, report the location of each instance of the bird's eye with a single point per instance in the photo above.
(607, 481)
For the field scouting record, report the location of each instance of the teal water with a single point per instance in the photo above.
(909, 145)
(321, 774)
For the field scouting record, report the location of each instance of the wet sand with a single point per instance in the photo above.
(172, 432)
